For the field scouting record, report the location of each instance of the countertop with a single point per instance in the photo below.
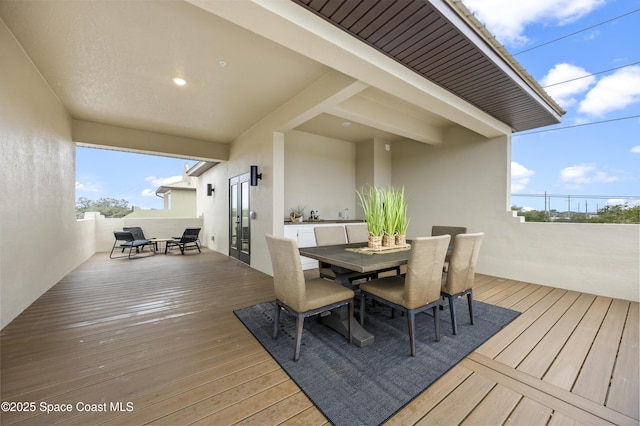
(320, 221)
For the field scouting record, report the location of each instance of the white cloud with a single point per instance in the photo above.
(613, 92)
(620, 202)
(583, 174)
(507, 19)
(636, 149)
(519, 176)
(565, 93)
(87, 187)
(158, 181)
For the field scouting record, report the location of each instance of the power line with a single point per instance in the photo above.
(576, 196)
(574, 33)
(591, 74)
(577, 125)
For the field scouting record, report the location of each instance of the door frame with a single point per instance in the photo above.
(240, 188)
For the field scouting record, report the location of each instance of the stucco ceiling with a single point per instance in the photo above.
(112, 63)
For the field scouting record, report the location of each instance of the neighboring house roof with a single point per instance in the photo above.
(188, 183)
(433, 39)
(183, 185)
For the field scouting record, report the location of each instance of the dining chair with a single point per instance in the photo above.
(302, 298)
(357, 233)
(448, 230)
(333, 235)
(418, 290)
(458, 279)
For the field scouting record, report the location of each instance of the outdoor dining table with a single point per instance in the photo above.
(344, 260)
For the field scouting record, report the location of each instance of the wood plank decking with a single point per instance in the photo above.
(157, 337)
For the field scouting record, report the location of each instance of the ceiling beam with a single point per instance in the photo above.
(106, 136)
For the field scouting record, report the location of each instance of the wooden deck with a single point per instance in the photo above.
(157, 337)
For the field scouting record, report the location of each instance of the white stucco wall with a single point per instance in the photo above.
(465, 182)
(327, 182)
(41, 240)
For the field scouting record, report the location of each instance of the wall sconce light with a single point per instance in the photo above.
(255, 176)
(210, 190)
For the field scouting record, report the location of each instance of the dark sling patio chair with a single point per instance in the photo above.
(137, 234)
(126, 240)
(189, 237)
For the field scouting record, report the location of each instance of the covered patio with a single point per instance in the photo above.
(157, 337)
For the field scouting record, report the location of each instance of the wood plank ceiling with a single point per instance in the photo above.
(416, 34)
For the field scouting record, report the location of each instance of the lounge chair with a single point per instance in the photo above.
(126, 239)
(189, 237)
(137, 234)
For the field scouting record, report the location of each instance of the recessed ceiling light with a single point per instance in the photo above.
(346, 123)
(222, 63)
(179, 81)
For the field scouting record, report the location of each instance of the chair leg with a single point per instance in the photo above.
(276, 321)
(436, 319)
(452, 309)
(470, 302)
(411, 319)
(350, 326)
(299, 326)
(362, 302)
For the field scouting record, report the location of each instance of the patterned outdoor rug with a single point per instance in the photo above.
(366, 386)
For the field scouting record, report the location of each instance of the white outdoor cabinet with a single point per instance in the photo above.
(305, 237)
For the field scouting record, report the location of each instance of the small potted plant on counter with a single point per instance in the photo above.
(297, 214)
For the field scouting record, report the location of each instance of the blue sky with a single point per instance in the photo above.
(585, 38)
(102, 173)
(586, 55)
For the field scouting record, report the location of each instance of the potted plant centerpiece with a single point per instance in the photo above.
(390, 216)
(372, 201)
(402, 221)
(297, 214)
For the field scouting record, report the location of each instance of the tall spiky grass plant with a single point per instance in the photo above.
(391, 206)
(402, 220)
(372, 202)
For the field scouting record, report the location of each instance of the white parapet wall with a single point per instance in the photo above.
(152, 228)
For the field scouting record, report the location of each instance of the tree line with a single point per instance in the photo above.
(109, 207)
(619, 213)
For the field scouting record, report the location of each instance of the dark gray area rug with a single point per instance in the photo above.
(366, 386)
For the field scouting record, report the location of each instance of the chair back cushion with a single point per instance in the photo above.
(424, 270)
(357, 233)
(462, 265)
(124, 235)
(190, 235)
(136, 231)
(329, 235)
(448, 230)
(288, 276)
